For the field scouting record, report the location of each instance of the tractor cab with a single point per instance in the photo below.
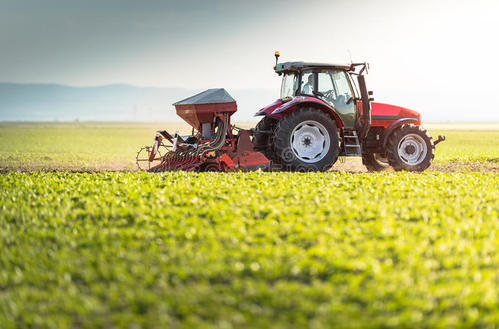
(321, 80)
(329, 83)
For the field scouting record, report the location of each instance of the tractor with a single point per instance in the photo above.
(324, 111)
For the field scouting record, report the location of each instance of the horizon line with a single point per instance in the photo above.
(116, 85)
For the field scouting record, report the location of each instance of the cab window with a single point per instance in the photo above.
(326, 86)
(307, 83)
(343, 87)
(289, 85)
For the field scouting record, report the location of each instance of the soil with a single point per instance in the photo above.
(351, 165)
(356, 166)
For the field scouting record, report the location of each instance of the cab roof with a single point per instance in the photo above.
(298, 66)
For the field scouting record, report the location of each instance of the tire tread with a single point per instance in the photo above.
(280, 143)
(392, 148)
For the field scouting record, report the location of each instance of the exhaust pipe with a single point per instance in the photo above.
(366, 107)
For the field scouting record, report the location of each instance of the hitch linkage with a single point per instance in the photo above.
(439, 139)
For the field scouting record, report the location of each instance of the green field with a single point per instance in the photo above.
(242, 250)
(75, 146)
(113, 146)
(257, 250)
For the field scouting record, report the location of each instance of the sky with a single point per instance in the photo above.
(437, 57)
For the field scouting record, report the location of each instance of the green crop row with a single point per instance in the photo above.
(255, 250)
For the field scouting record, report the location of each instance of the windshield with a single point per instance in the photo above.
(289, 85)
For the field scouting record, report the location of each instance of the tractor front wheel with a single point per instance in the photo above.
(410, 148)
(306, 140)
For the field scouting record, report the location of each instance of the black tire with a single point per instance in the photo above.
(401, 144)
(261, 141)
(286, 154)
(372, 163)
(208, 167)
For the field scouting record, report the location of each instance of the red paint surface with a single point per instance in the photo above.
(382, 109)
(285, 107)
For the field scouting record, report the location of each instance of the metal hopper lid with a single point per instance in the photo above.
(210, 96)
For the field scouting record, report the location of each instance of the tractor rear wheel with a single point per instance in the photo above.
(375, 161)
(410, 148)
(306, 140)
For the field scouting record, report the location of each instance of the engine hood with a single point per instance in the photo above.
(388, 110)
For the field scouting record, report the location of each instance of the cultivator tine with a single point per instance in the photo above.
(192, 164)
(174, 162)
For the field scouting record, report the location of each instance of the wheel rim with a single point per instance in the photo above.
(310, 141)
(412, 149)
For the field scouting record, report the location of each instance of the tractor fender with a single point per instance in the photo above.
(301, 101)
(394, 125)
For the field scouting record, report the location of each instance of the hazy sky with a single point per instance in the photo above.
(438, 56)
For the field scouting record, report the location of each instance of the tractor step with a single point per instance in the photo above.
(351, 143)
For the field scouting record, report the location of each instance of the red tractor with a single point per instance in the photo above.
(324, 112)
